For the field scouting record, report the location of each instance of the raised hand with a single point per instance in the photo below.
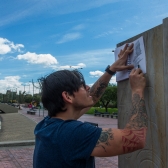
(120, 64)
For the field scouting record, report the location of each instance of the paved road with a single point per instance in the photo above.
(21, 157)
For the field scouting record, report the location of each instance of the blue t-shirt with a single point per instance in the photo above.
(64, 144)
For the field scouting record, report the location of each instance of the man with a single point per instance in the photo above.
(64, 142)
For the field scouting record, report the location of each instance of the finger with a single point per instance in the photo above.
(127, 52)
(130, 50)
(133, 71)
(142, 75)
(120, 54)
(129, 67)
(125, 47)
(131, 46)
(138, 71)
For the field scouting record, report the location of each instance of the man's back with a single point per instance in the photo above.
(66, 144)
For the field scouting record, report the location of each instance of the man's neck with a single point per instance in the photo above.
(68, 115)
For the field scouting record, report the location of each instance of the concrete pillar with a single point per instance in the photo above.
(155, 154)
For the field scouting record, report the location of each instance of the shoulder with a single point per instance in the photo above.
(79, 126)
(77, 130)
(79, 138)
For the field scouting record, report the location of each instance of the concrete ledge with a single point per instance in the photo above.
(8, 108)
(17, 143)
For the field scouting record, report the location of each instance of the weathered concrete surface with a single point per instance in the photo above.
(16, 127)
(165, 73)
(155, 153)
(7, 108)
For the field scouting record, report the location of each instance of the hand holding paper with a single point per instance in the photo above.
(121, 63)
(135, 58)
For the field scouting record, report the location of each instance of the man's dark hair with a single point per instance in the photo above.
(54, 84)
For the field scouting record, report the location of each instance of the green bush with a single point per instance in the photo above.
(102, 110)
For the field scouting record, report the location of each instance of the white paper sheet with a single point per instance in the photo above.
(137, 57)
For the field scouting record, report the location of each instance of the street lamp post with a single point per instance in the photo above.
(33, 87)
(37, 87)
(29, 88)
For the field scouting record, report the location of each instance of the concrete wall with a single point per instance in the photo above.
(155, 154)
(7, 108)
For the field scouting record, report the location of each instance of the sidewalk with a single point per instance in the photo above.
(21, 156)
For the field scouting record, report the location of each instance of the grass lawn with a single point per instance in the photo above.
(110, 110)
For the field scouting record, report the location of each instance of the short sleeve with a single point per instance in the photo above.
(79, 139)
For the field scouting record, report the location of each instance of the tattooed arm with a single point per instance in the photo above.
(100, 85)
(119, 141)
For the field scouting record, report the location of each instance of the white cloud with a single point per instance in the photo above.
(69, 37)
(113, 80)
(33, 58)
(78, 66)
(100, 73)
(96, 73)
(7, 46)
(13, 83)
(90, 84)
(9, 82)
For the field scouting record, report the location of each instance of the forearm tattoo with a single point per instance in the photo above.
(138, 117)
(98, 89)
(105, 136)
(132, 138)
(135, 130)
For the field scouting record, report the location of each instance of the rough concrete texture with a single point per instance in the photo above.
(16, 127)
(8, 108)
(156, 99)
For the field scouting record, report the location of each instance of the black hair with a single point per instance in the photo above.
(54, 84)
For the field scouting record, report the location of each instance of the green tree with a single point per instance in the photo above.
(37, 98)
(28, 98)
(109, 96)
(21, 97)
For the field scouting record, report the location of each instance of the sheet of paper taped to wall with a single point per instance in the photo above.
(136, 58)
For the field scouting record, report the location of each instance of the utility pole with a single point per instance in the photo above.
(24, 85)
(37, 87)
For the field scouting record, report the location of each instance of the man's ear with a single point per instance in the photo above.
(67, 97)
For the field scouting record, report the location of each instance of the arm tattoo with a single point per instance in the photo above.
(135, 130)
(132, 138)
(98, 89)
(105, 136)
(138, 118)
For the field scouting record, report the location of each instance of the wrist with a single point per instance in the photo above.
(112, 68)
(110, 71)
(140, 92)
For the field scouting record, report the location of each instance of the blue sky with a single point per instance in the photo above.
(38, 37)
